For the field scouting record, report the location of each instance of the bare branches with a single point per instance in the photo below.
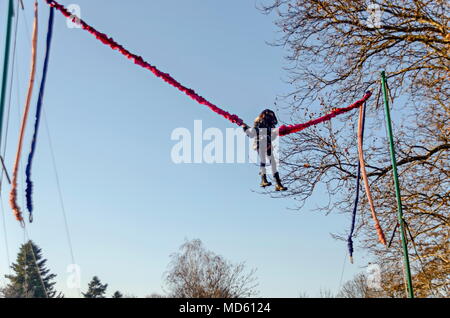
(411, 159)
(198, 273)
(331, 40)
(334, 56)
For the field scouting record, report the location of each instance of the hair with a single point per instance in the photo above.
(267, 119)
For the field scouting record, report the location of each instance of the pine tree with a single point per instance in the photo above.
(96, 289)
(117, 294)
(31, 278)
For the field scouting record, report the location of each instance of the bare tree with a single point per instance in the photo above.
(358, 288)
(326, 293)
(195, 272)
(334, 56)
(303, 294)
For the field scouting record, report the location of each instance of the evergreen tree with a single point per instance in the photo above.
(96, 289)
(31, 278)
(117, 294)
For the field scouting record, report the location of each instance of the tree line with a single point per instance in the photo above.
(193, 272)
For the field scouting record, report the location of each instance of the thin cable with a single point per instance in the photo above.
(8, 259)
(25, 287)
(35, 262)
(5, 232)
(405, 281)
(16, 26)
(413, 242)
(393, 234)
(342, 272)
(5, 170)
(27, 29)
(58, 184)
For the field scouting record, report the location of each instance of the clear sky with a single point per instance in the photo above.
(128, 205)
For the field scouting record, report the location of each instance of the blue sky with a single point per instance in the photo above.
(128, 205)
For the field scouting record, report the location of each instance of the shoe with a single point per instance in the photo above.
(264, 182)
(278, 185)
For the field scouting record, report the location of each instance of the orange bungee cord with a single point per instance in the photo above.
(378, 228)
(13, 194)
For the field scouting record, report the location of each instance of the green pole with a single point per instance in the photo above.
(401, 221)
(6, 65)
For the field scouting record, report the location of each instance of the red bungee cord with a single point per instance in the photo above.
(141, 62)
(284, 130)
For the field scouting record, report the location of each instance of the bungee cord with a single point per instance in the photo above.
(13, 194)
(29, 183)
(378, 228)
(138, 60)
(355, 206)
(286, 130)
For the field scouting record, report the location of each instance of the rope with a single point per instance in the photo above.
(13, 193)
(286, 130)
(378, 228)
(141, 62)
(29, 188)
(355, 206)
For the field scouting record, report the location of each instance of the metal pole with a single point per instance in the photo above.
(408, 279)
(6, 65)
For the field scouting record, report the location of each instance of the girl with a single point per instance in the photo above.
(264, 132)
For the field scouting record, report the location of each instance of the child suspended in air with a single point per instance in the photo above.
(264, 132)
